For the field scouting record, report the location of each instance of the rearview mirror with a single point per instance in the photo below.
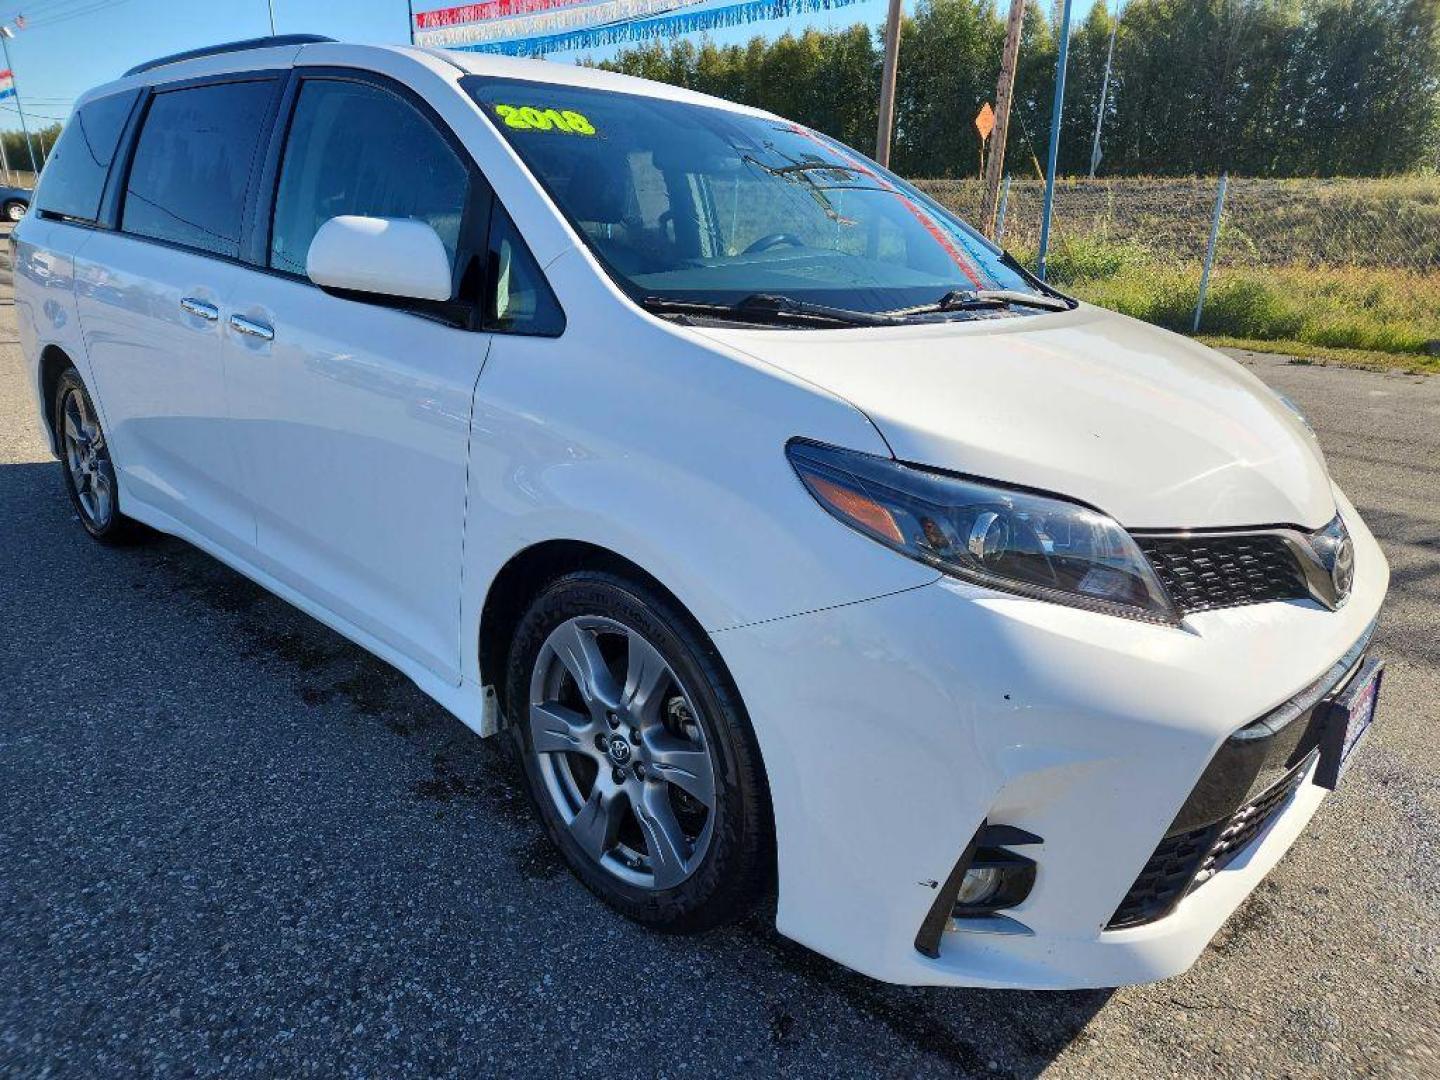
(396, 257)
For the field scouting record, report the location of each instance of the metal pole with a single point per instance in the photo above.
(1054, 155)
(1004, 96)
(886, 127)
(1100, 113)
(1210, 250)
(410, 6)
(5, 161)
(270, 6)
(15, 86)
(1000, 214)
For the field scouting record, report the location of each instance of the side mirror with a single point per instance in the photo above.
(396, 257)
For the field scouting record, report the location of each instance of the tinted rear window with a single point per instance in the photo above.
(193, 162)
(74, 175)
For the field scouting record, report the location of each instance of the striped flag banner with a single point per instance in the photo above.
(447, 18)
(556, 19)
(7, 84)
(537, 27)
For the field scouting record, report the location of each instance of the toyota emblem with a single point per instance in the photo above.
(619, 751)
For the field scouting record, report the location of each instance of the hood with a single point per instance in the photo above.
(1154, 429)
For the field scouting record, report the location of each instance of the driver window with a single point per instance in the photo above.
(354, 148)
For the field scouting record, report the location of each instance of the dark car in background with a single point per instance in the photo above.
(14, 202)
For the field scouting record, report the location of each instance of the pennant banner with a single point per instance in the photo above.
(559, 16)
(533, 37)
(473, 13)
(7, 84)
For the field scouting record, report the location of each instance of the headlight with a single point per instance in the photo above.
(1005, 538)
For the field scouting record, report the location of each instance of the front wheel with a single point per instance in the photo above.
(638, 754)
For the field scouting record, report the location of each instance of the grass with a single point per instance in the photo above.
(1344, 314)
(1305, 353)
(1341, 271)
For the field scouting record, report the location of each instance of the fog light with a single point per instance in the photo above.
(994, 880)
(979, 884)
(987, 879)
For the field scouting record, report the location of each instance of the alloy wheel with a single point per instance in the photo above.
(88, 460)
(621, 752)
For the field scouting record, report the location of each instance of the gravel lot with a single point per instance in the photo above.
(232, 843)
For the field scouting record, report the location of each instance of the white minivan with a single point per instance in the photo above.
(804, 544)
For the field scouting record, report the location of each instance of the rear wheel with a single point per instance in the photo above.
(85, 460)
(14, 210)
(638, 754)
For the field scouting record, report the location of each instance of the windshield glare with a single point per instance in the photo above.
(693, 203)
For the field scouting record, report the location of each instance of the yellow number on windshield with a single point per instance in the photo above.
(529, 118)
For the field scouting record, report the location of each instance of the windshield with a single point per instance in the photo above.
(690, 203)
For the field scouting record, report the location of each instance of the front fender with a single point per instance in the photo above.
(671, 453)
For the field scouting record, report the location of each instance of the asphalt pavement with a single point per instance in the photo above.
(232, 843)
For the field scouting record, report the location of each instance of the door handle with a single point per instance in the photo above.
(251, 328)
(200, 309)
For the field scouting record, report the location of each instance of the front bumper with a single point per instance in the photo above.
(891, 729)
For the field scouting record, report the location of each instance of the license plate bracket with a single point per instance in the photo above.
(1348, 719)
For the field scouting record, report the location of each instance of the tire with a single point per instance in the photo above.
(14, 211)
(715, 865)
(86, 466)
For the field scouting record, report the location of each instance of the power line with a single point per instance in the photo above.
(33, 13)
(32, 112)
(75, 13)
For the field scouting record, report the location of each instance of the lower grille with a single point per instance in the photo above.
(1202, 573)
(1184, 861)
(1247, 823)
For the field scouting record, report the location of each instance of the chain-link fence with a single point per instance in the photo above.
(1351, 264)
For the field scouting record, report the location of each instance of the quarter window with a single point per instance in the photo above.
(358, 149)
(193, 164)
(74, 175)
(518, 300)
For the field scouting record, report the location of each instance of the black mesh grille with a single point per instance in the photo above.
(1185, 861)
(1205, 572)
(1165, 878)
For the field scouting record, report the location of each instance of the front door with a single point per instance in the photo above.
(353, 415)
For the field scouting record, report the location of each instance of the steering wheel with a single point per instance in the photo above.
(774, 239)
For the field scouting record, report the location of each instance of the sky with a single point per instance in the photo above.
(69, 46)
(72, 45)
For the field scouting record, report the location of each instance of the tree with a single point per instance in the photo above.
(1258, 87)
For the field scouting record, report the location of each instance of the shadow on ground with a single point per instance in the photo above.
(235, 833)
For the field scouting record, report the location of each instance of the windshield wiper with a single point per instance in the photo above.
(769, 307)
(973, 299)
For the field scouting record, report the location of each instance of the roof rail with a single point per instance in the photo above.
(229, 47)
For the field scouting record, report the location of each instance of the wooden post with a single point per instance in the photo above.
(1004, 94)
(887, 85)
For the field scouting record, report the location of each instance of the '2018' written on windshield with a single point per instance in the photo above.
(529, 118)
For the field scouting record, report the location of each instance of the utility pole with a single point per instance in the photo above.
(887, 85)
(1100, 113)
(1053, 162)
(1004, 95)
(5, 35)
